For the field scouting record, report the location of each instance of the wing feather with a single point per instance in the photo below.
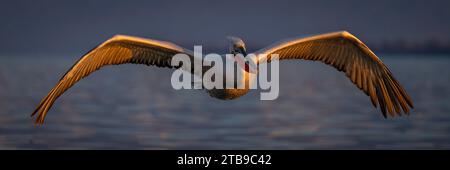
(348, 54)
(117, 50)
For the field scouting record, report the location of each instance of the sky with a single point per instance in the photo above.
(63, 26)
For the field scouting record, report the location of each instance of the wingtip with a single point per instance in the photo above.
(383, 110)
(39, 117)
(36, 110)
(39, 121)
(34, 113)
(400, 114)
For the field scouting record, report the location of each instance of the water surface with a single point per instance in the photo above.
(135, 107)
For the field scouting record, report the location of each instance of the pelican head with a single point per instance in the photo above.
(237, 46)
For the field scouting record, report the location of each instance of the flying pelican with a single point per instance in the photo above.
(340, 50)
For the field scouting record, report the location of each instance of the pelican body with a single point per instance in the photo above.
(237, 46)
(341, 50)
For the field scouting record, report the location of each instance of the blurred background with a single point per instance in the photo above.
(135, 107)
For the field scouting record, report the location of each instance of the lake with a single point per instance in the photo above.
(135, 107)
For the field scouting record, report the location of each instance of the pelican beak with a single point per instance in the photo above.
(247, 64)
(252, 62)
(244, 64)
(253, 68)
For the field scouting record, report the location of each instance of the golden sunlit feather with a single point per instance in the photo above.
(117, 50)
(348, 54)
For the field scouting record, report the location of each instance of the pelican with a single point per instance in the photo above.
(341, 50)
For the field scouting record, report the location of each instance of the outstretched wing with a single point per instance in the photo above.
(348, 54)
(118, 50)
